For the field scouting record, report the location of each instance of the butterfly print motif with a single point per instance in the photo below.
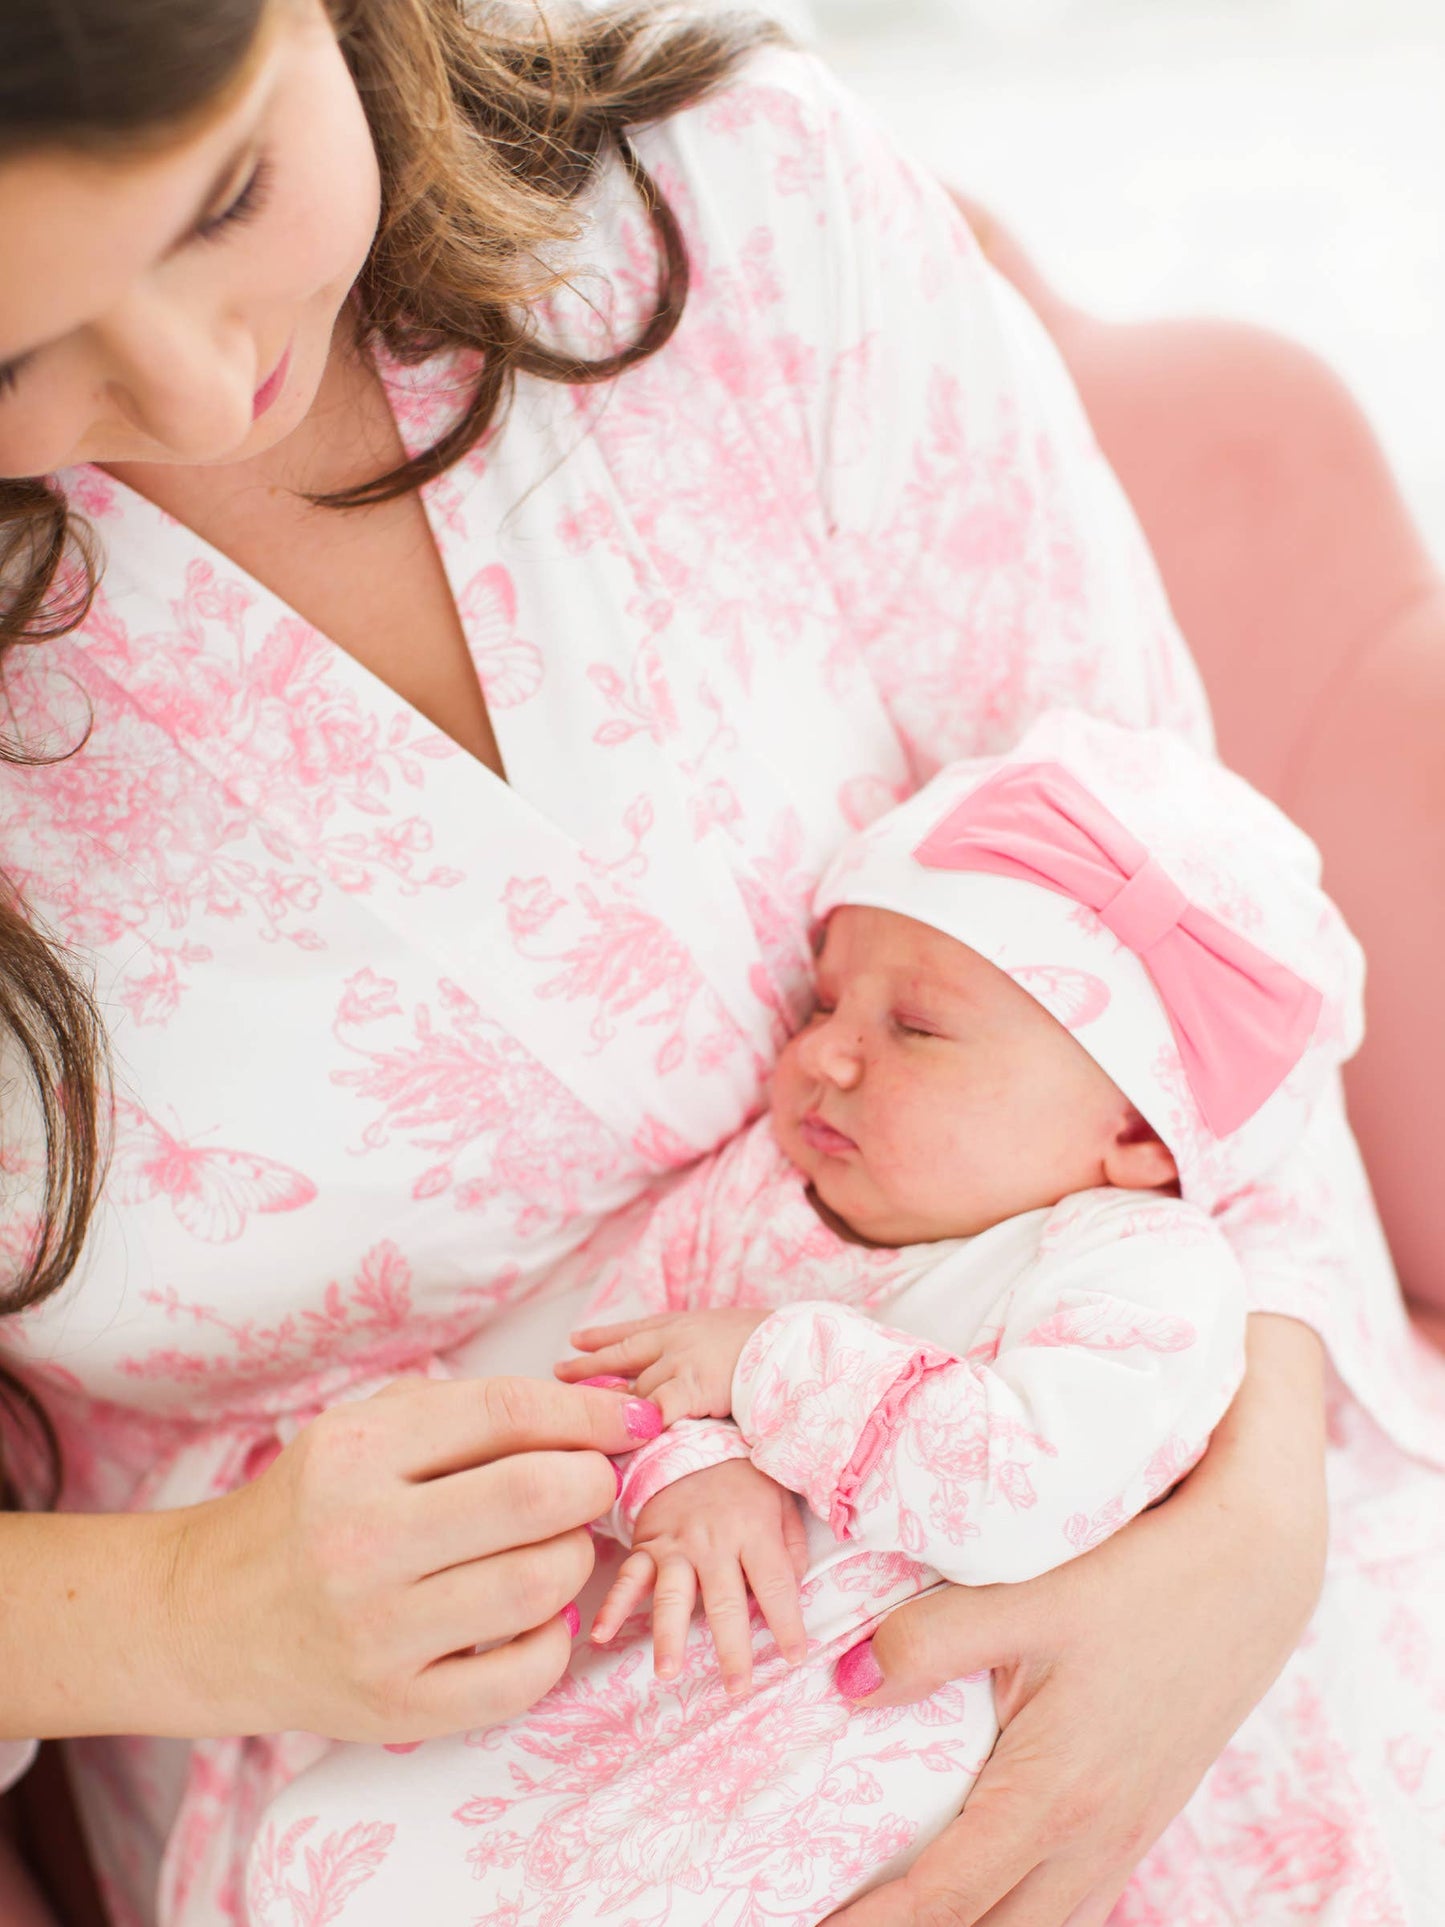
(212, 1191)
(510, 669)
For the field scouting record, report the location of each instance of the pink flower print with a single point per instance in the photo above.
(642, 704)
(531, 904)
(457, 1084)
(151, 997)
(334, 1868)
(211, 1191)
(1074, 997)
(510, 669)
(627, 960)
(863, 799)
(367, 998)
(310, 1353)
(1102, 1327)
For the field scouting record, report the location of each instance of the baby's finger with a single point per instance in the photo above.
(674, 1397)
(673, 1599)
(725, 1601)
(635, 1579)
(625, 1359)
(587, 1338)
(774, 1585)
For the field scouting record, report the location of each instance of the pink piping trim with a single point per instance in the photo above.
(876, 1435)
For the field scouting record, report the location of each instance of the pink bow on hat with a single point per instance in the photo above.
(1241, 1019)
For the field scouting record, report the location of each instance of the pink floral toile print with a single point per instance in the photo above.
(395, 1040)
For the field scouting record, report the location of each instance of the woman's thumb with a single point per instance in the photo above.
(945, 1635)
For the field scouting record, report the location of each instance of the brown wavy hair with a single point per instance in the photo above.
(489, 121)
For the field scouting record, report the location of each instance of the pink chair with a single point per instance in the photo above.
(1318, 621)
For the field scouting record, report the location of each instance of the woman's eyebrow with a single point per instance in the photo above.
(224, 173)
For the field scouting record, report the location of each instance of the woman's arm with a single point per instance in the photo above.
(1121, 1676)
(341, 1592)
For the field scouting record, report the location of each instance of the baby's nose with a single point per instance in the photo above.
(832, 1050)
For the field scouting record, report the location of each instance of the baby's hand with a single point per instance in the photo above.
(682, 1360)
(726, 1529)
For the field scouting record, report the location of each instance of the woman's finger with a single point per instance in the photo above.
(725, 1601)
(946, 1635)
(774, 1585)
(518, 1501)
(1063, 1892)
(490, 1599)
(673, 1598)
(973, 1864)
(429, 1429)
(474, 1690)
(635, 1579)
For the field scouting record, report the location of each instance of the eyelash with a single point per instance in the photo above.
(245, 207)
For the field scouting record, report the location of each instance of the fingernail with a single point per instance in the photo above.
(572, 1620)
(402, 1746)
(857, 1673)
(642, 1418)
(606, 1383)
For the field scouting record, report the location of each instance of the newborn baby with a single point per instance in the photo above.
(959, 1291)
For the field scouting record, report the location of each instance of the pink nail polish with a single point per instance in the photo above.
(607, 1383)
(857, 1673)
(572, 1620)
(642, 1418)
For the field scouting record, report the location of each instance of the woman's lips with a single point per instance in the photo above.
(819, 1136)
(271, 387)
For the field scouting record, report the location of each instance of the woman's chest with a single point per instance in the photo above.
(391, 1035)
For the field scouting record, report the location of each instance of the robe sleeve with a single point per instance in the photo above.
(1119, 1352)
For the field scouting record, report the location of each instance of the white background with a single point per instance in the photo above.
(1278, 160)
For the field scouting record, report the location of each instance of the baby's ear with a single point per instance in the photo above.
(1137, 1158)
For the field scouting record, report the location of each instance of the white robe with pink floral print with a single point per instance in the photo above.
(393, 1037)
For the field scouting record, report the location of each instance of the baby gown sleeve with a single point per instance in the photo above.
(1114, 1357)
(16, 1757)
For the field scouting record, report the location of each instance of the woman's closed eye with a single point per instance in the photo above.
(245, 206)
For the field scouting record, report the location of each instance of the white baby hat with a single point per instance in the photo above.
(1162, 910)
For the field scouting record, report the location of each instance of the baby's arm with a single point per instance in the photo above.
(1120, 1350)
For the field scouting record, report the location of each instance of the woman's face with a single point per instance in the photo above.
(178, 306)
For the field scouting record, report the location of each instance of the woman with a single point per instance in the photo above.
(441, 859)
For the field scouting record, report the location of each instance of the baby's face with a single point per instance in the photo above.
(931, 1097)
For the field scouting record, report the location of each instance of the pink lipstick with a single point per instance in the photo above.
(271, 387)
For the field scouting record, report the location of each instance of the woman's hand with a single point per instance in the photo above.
(391, 1537)
(1121, 1675)
(342, 1591)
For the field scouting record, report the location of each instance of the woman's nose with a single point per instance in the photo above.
(184, 379)
(832, 1050)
